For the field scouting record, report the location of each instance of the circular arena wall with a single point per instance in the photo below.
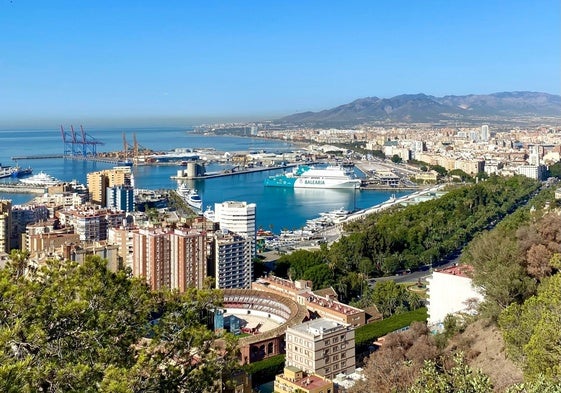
(283, 310)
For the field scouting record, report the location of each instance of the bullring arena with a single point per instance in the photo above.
(265, 317)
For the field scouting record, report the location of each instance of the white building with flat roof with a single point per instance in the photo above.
(237, 217)
(450, 291)
(322, 347)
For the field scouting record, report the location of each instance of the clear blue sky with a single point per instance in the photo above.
(63, 60)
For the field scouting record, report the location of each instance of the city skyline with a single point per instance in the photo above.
(168, 63)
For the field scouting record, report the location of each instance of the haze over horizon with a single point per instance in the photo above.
(175, 63)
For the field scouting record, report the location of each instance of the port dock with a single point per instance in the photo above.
(196, 174)
(19, 188)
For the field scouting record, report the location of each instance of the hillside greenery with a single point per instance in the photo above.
(409, 237)
(517, 266)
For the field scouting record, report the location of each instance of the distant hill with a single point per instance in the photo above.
(422, 108)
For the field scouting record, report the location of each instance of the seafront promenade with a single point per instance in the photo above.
(407, 199)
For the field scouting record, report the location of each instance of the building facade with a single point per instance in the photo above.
(295, 380)
(98, 182)
(321, 347)
(170, 258)
(450, 291)
(92, 223)
(5, 225)
(120, 198)
(237, 217)
(233, 264)
(22, 216)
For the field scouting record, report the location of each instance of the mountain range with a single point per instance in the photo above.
(422, 108)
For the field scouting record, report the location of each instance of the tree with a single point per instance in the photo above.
(539, 385)
(391, 298)
(531, 330)
(459, 378)
(439, 169)
(555, 170)
(396, 159)
(395, 366)
(70, 327)
(498, 271)
(461, 175)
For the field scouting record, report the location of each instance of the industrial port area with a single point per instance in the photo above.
(193, 163)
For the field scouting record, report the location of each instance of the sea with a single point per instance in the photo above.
(276, 208)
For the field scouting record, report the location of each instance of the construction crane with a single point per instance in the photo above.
(135, 147)
(125, 146)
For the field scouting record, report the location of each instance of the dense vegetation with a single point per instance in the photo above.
(365, 335)
(518, 267)
(81, 328)
(265, 370)
(407, 237)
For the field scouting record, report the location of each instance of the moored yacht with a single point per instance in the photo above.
(40, 179)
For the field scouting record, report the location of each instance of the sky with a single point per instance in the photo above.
(168, 61)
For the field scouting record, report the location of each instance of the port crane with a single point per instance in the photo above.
(79, 144)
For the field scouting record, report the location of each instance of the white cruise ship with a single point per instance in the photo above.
(333, 176)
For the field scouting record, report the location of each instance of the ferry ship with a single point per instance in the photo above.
(332, 176)
(13, 171)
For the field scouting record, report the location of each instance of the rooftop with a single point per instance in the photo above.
(310, 382)
(460, 270)
(331, 304)
(317, 326)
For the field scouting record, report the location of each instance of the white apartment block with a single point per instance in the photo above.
(485, 134)
(237, 217)
(450, 291)
(531, 171)
(322, 347)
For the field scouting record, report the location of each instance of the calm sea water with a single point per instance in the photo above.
(277, 208)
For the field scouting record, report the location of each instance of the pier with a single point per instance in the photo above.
(19, 188)
(231, 172)
(37, 157)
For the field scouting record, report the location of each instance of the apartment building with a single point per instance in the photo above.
(91, 222)
(5, 224)
(321, 347)
(172, 259)
(295, 380)
(98, 182)
(233, 260)
(22, 216)
(237, 217)
(450, 291)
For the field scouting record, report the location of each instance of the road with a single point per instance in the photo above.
(419, 274)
